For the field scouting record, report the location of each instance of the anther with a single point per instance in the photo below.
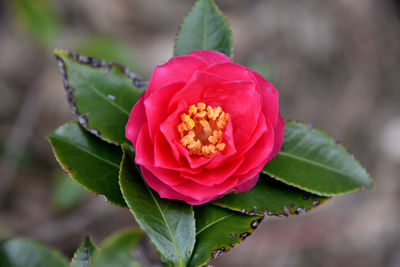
(201, 129)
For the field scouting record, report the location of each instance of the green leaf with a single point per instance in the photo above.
(313, 161)
(169, 223)
(39, 19)
(273, 198)
(66, 193)
(84, 253)
(22, 252)
(91, 162)
(204, 28)
(218, 231)
(101, 94)
(116, 250)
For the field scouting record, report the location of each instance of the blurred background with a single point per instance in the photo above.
(336, 64)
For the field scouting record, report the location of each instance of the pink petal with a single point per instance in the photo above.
(164, 158)
(177, 69)
(269, 96)
(231, 71)
(144, 156)
(136, 119)
(164, 190)
(157, 104)
(211, 56)
(249, 184)
(279, 133)
(217, 175)
(170, 128)
(193, 91)
(203, 193)
(259, 153)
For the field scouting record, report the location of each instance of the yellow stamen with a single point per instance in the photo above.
(201, 129)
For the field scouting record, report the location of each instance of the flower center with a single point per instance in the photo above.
(201, 129)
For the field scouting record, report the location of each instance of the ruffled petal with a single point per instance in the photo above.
(249, 184)
(231, 71)
(136, 120)
(144, 156)
(204, 193)
(164, 190)
(164, 158)
(260, 152)
(217, 175)
(177, 69)
(157, 104)
(210, 56)
(269, 96)
(279, 133)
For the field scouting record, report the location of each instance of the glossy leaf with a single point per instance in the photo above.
(100, 94)
(169, 223)
(204, 28)
(219, 230)
(84, 253)
(88, 160)
(22, 252)
(313, 161)
(271, 197)
(116, 250)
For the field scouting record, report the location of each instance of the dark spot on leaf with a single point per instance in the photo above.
(254, 224)
(253, 213)
(301, 210)
(286, 211)
(275, 213)
(292, 205)
(234, 235)
(306, 197)
(217, 252)
(254, 207)
(316, 203)
(244, 235)
(95, 132)
(232, 245)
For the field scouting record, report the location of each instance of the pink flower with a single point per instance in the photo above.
(204, 127)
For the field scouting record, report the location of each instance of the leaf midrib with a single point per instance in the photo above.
(212, 223)
(86, 150)
(315, 163)
(181, 263)
(99, 93)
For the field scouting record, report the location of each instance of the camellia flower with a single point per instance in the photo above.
(204, 127)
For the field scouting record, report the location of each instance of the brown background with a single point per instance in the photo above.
(335, 63)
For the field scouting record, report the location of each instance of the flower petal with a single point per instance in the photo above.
(279, 133)
(249, 184)
(144, 156)
(157, 104)
(164, 158)
(217, 175)
(269, 96)
(136, 120)
(164, 190)
(177, 69)
(211, 56)
(204, 193)
(259, 153)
